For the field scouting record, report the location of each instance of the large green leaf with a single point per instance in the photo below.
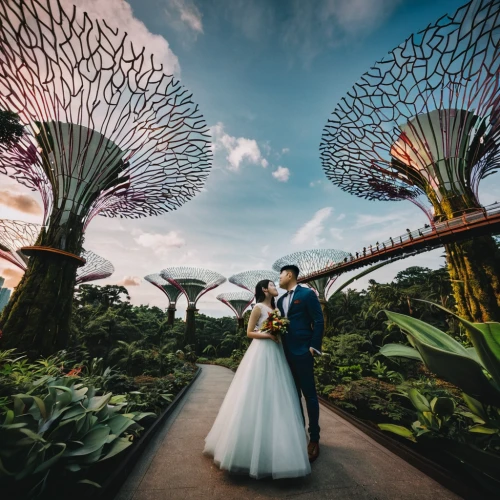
(399, 430)
(51, 461)
(426, 333)
(119, 424)
(419, 402)
(92, 441)
(461, 371)
(117, 446)
(486, 339)
(98, 402)
(400, 351)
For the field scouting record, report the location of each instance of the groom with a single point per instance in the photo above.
(301, 343)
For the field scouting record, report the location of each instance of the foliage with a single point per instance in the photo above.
(476, 371)
(11, 130)
(65, 431)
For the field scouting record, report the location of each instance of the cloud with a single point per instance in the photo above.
(315, 183)
(336, 233)
(130, 281)
(238, 150)
(22, 202)
(285, 151)
(341, 217)
(160, 243)
(364, 220)
(311, 231)
(185, 17)
(282, 174)
(252, 19)
(119, 14)
(316, 26)
(12, 276)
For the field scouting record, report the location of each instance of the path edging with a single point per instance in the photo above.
(112, 485)
(435, 471)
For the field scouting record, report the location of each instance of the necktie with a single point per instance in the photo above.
(289, 301)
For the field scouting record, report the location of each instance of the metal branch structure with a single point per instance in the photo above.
(423, 125)
(95, 268)
(107, 132)
(15, 235)
(249, 279)
(171, 291)
(238, 303)
(193, 283)
(310, 262)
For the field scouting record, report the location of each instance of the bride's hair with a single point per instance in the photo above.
(260, 296)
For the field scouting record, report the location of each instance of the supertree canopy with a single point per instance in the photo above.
(423, 125)
(16, 235)
(193, 283)
(312, 261)
(106, 132)
(237, 302)
(171, 291)
(95, 268)
(249, 279)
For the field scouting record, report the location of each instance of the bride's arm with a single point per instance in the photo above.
(252, 322)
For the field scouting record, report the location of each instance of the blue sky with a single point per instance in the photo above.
(266, 74)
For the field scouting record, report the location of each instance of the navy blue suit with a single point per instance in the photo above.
(304, 331)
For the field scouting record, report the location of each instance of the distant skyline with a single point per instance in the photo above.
(266, 75)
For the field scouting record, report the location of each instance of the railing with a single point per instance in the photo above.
(419, 240)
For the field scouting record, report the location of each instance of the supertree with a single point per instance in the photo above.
(249, 279)
(423, 125)
(95, 268)
(311, 261)
(106, 132)
(171, 291)
(193, 283)
(237, 302)
(16, 235)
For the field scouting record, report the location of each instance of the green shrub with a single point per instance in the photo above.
(66, 431)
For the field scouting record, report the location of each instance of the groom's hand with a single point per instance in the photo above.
(313, 352)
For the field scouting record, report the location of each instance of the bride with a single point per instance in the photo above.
(259, 429)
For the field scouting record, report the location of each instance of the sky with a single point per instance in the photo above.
(266, 74)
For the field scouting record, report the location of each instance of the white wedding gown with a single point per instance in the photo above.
(259, 429)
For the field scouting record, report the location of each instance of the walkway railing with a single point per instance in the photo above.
(485, 220)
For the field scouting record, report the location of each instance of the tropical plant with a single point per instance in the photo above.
(433, 417)
(64, 432)
(475, 370)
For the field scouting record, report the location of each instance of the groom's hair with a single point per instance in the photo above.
(291, 267)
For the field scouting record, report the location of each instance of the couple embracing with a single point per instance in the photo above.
(260, 427)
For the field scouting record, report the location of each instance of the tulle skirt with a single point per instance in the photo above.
(259, 429)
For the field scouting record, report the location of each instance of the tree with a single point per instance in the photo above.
(11, 130)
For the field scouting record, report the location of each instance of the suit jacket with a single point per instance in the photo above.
(306, 322)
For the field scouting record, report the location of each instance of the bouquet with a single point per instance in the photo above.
(275, 324)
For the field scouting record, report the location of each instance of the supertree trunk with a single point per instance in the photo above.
(474, 268)
(37, 318)
(190, 335)
(170, 315)
(324, 308)
(241, 323)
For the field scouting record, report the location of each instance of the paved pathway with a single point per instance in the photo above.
(351, 465)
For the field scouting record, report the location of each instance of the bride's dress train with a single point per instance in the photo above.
(259, 429)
